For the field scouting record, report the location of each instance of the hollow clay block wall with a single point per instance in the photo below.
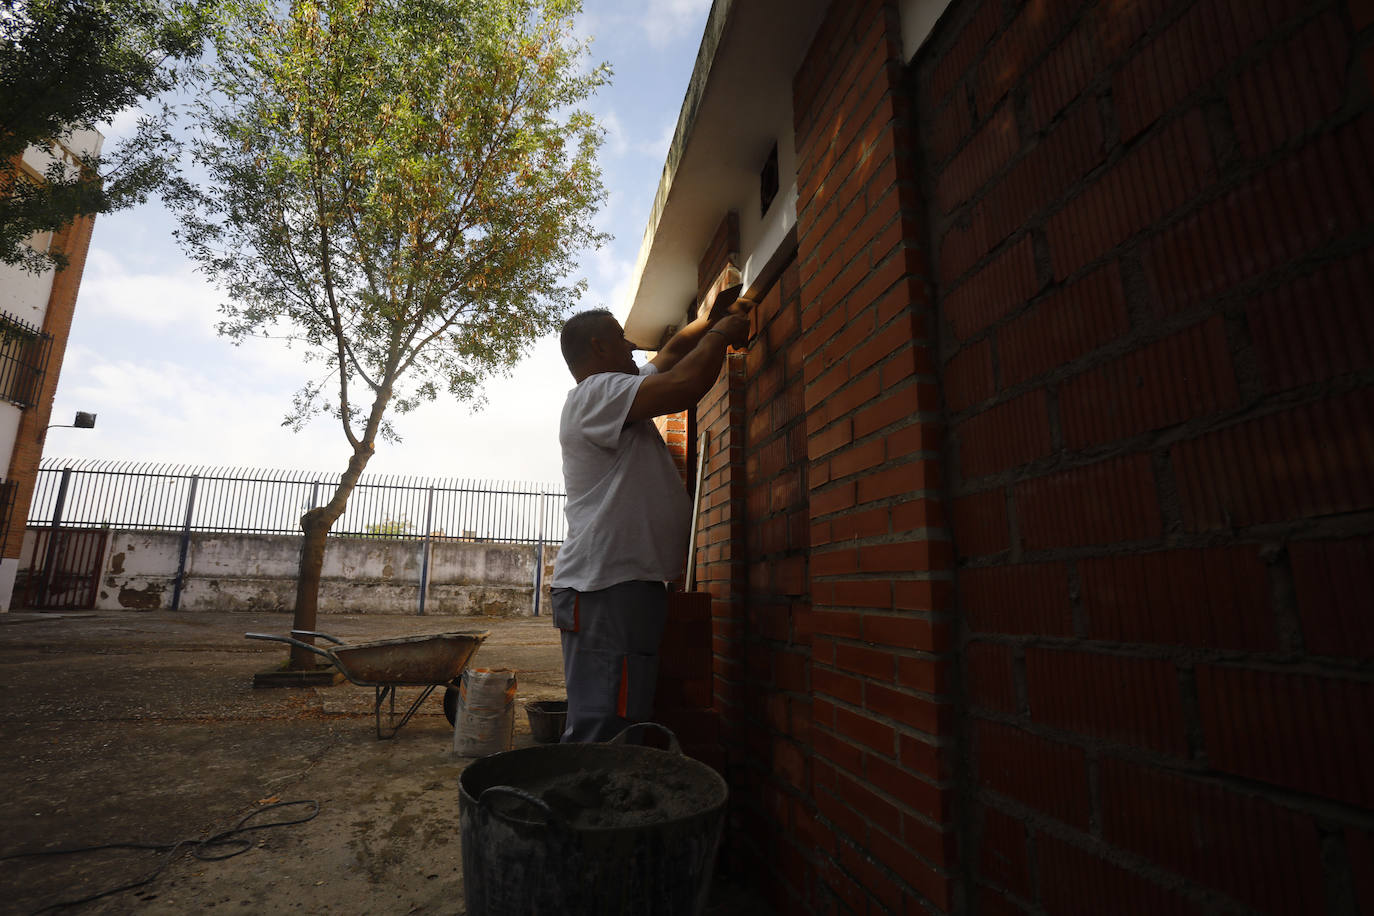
(1154, 274)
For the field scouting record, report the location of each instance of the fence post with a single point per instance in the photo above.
(185, 544)
(539, 553)
(425, 548)
(50, 563)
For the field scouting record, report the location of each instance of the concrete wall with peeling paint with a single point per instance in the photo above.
(257, 572)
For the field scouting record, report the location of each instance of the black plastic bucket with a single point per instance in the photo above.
(589, 829)
(547, 718)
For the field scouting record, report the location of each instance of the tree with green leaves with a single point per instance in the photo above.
(402, 187)
(66, 66)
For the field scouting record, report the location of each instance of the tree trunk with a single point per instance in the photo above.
(316, 524)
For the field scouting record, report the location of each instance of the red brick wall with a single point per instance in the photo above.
(872, 814)
(1153, 276)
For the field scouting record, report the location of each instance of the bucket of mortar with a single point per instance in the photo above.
(590, 828)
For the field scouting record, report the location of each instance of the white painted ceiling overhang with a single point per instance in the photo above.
(738, 105)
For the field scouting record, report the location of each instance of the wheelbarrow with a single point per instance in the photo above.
(435, 660)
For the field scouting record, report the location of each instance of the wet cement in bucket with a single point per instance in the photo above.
(618, 798)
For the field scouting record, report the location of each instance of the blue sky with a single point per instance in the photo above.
(144, 356)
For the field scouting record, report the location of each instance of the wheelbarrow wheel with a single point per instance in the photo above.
(451, 704)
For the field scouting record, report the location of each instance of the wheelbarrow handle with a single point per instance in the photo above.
(334, 639)
(271, 637)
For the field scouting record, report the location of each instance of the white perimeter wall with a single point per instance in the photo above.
(240, 572)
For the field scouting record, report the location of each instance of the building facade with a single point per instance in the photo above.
(1037, 518)
(35, 319)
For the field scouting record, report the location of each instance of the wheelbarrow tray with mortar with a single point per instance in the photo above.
(429, 661)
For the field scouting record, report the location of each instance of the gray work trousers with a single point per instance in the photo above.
(610, 656)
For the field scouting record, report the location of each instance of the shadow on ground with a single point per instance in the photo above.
(123, 727)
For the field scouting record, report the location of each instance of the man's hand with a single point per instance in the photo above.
(735, 327)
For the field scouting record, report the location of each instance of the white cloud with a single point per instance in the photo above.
(665, 21)
(110, 290)
(659, 144)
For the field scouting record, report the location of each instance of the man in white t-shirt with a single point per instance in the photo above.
(628, 511)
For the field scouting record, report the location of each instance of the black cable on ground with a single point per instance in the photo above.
(223, 845)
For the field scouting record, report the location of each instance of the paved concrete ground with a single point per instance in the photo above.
(126, 727)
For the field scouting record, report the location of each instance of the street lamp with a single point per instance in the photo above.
(83, 420)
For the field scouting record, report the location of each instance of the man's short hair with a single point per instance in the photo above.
(578, 333)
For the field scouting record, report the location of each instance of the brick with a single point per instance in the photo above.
(991, 681)
(1103, 503)
(1361, 13)
(837, 684)
(905, 632)
(947, 128)
(980, 523)
(1047, 171)
(1294, 730)
(932, 884)
(1064, 326)
(1334, 580)
(1317, 326)
(998, 289)
(901, 480)
(1293, 89)
(1310, 461)
(968, 377)
(921, 755)
(991, 903)
(1359, 845)
(1181, 377)
(908, 788)
(1130, 700)
(866, 661)
(834, 499)
(1030, 598)
(971, 44)
(869, 593)
(1004, 436)
(922, 594)
(929, 675)
(1322, 192)
(867, 803)
(1127, 23)
(1151, 181)
(1214, 598)
(1076, 882)
(892, 409)
(856, 459)
(1182, 60)
(1066, 71)
(1042, 774)
(1036, 24)
(1003, 858)
(986, 153)
(1257, 852)
(881, 891)
(964, 243)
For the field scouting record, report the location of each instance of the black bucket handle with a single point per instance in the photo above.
(550, 816)
(673, 746)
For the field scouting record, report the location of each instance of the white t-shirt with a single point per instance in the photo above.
(627, 509)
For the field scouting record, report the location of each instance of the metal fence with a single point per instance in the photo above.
(111, 494)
